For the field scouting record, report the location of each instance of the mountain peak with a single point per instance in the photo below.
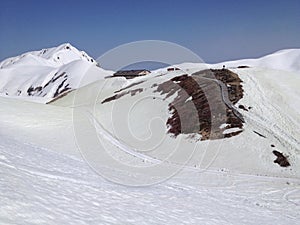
(65, 53)
(48, 73)
(52, 57)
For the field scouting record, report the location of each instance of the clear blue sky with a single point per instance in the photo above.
(215, 30)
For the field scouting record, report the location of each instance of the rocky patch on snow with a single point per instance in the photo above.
(281, 160)
(191, 110)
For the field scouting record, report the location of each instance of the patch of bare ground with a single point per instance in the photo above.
(233, 83)
(281, 160)
(243, 108)
(61, 90)
(206, 112)
(243, 67)
(120, 95)
(129, 86)
(60, 96)
(34, 90)
(199, 106)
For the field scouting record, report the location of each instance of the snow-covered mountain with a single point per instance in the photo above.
(233, 133)
(192, 100)
(44, 75)
(47, 74)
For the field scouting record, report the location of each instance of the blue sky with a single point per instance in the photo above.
(215, 30)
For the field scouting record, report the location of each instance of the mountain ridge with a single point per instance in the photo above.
(46, 74)
(43, 75)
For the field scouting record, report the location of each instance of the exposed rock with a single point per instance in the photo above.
(281, 159)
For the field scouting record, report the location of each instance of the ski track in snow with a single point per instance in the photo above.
(262, 122)
(118, 143)
(38, 186)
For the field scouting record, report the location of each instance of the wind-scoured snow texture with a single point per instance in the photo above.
(46, 74)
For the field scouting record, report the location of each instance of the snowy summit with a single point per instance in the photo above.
(47, 74)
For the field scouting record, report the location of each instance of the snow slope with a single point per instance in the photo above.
(45, 169)
(139, 121)
(141, 125)
(46, 74)
(286, 60)
(40, 186)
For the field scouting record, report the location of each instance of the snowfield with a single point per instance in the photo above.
(39, 186)
(80, 160)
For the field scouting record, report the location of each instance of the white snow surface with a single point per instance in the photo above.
(43, 75)
(39, 186)
(45, 178)
(286, 60)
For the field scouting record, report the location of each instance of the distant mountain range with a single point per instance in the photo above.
(44, 75)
